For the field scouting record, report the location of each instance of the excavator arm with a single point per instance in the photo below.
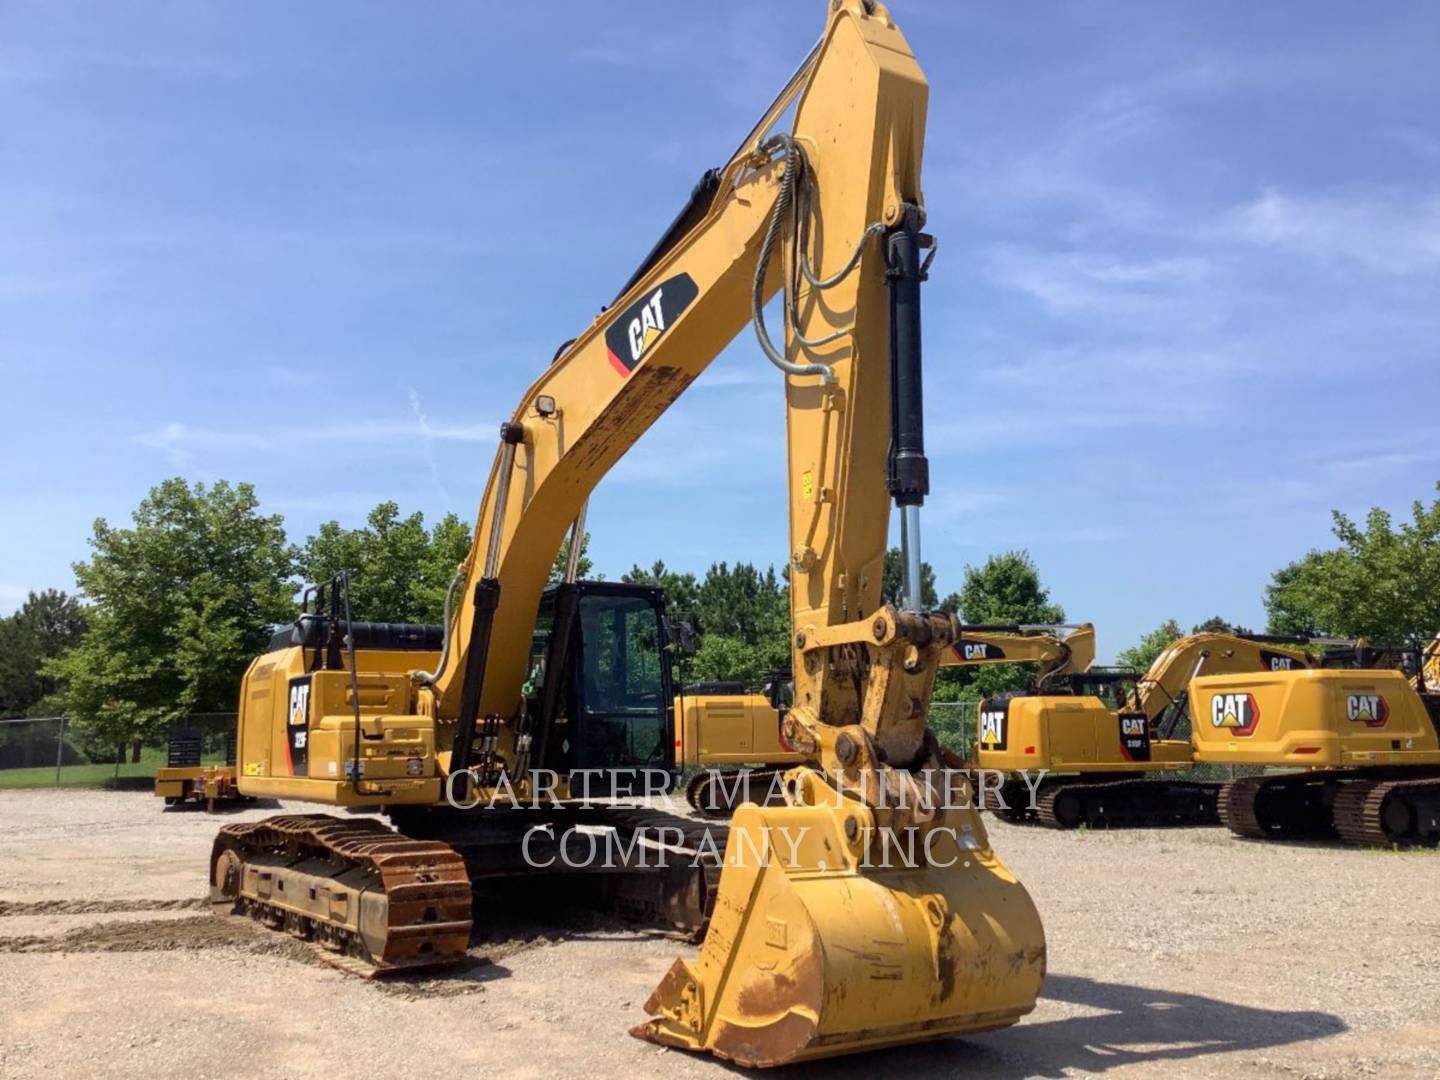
(1161, 692)
(1056, 650)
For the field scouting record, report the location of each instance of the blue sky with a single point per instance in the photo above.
(1186, 301)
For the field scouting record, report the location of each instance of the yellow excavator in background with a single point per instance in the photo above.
(1079, 759)
(737, 737)
(872, 910)
(1362, 741)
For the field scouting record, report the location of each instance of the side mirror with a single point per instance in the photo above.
(780, 691)
(681, 636)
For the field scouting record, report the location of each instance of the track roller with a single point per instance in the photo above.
(372, 901)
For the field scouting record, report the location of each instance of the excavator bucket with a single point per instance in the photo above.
(826, 940)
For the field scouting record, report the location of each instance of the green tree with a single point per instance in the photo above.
(742, 615)
(681, 590)
(180, 604)
(385, 561)
(1143, 653)
(448, 545)
(892, 581)
(398, 571)
(1004, 589)
(46, 625)
(1216, 625)
(1381, 582)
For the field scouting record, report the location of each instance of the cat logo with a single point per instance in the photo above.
(639, 326)
(297, 728)
(992, 729)
(1237, 712)
(299, 702)
(974, 651)
(1134, 737)
(1369, 709)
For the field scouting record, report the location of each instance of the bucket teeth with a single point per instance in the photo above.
(814, 950)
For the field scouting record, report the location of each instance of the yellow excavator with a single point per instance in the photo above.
(870, 911)
(1087, 757)
(1359, 743)
(737, 737)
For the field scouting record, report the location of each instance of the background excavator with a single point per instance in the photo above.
(849, 918)
(1096, 754)
(1360, 743)
(737, 737)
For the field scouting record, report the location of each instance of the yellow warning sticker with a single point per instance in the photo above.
(807, 484)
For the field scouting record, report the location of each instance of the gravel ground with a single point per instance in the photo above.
(1171, 954)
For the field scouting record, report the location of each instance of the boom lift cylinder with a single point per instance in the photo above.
(909, 471)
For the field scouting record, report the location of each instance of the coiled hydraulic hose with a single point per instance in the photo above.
(794, 200)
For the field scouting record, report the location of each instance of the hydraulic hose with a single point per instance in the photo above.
(783, 203)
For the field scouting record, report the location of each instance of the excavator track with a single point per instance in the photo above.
(641, 863)
(1379, 813)
(1126, 804)
(371, 901)
(1237, 808)
(695, 854)
(1297, 806)
(715, 793)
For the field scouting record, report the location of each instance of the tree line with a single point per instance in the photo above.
(1380, 582)
(172, 608)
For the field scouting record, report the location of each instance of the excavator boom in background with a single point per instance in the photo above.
(738, 739)
(1096, 755)
(849, 919)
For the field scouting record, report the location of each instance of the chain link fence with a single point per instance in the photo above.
(954, 723)
(51, 752)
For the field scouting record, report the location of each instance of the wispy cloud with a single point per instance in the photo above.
(181, 443)
(1097, 284)
(427, 439)
(1387, 233)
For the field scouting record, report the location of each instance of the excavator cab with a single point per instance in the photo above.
(614, 712)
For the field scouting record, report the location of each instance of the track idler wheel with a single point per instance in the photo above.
(225, 877)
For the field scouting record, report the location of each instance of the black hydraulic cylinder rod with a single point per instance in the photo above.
(695, 208)
(909, 472)
(567, 604)
(487, 599)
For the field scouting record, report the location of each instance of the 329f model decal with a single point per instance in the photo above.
(632, 333)
(1134, 737)
(297, 727)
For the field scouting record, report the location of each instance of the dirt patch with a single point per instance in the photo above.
(94, 907)
(214, 931)
(162, 935)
